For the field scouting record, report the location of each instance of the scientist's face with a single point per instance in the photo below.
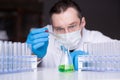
(67, 21)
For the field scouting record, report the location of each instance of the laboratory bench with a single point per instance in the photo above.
(54, 74)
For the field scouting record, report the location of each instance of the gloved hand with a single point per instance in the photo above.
(38, 41)
(74, 56)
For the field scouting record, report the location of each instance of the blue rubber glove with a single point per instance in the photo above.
(38, 41)
(74, 56)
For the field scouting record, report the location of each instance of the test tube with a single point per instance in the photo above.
(28, 50)
(19, 53)
(80, 63)
(19, 49)
(23, 49)
(15, 49)
(1, 57)
(15, 56)
(33, 64)
(22, 57)
(5, 63)
(1, 48)
(10, 50)
(26, 59)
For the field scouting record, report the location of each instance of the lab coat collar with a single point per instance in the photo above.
(84, 39)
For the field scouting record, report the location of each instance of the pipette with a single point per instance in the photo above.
(56, 36)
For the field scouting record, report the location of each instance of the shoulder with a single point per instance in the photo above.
(96, 36)
(92, 32)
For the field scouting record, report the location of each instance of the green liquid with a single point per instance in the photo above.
(66, 68)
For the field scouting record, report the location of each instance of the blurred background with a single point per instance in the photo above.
(17, 17)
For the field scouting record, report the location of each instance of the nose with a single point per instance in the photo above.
(66, 31)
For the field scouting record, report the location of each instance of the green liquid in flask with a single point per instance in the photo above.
(66, 68)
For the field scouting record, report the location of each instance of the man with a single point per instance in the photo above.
(69, 24)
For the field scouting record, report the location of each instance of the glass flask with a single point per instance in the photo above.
(66, 63)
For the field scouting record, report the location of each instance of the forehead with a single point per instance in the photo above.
(65, 18)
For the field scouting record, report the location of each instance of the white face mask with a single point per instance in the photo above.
(70, 40)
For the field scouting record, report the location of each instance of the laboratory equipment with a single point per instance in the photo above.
(16, 57)
(56, 36)
(101, 57)
(99, 63)
(66, 64)
(105, 48)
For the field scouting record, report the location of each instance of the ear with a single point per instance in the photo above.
(83, 22)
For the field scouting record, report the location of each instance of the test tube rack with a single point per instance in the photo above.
(98, 63)
(100, 57)
(16, 57)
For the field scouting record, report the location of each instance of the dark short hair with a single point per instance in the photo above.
(63, 5)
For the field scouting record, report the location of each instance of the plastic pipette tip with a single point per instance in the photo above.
(46, 31)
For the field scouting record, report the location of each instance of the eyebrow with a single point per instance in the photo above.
(62, 27)
(72, 23)
(58, 28)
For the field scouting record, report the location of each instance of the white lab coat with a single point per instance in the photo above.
(53, 56)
